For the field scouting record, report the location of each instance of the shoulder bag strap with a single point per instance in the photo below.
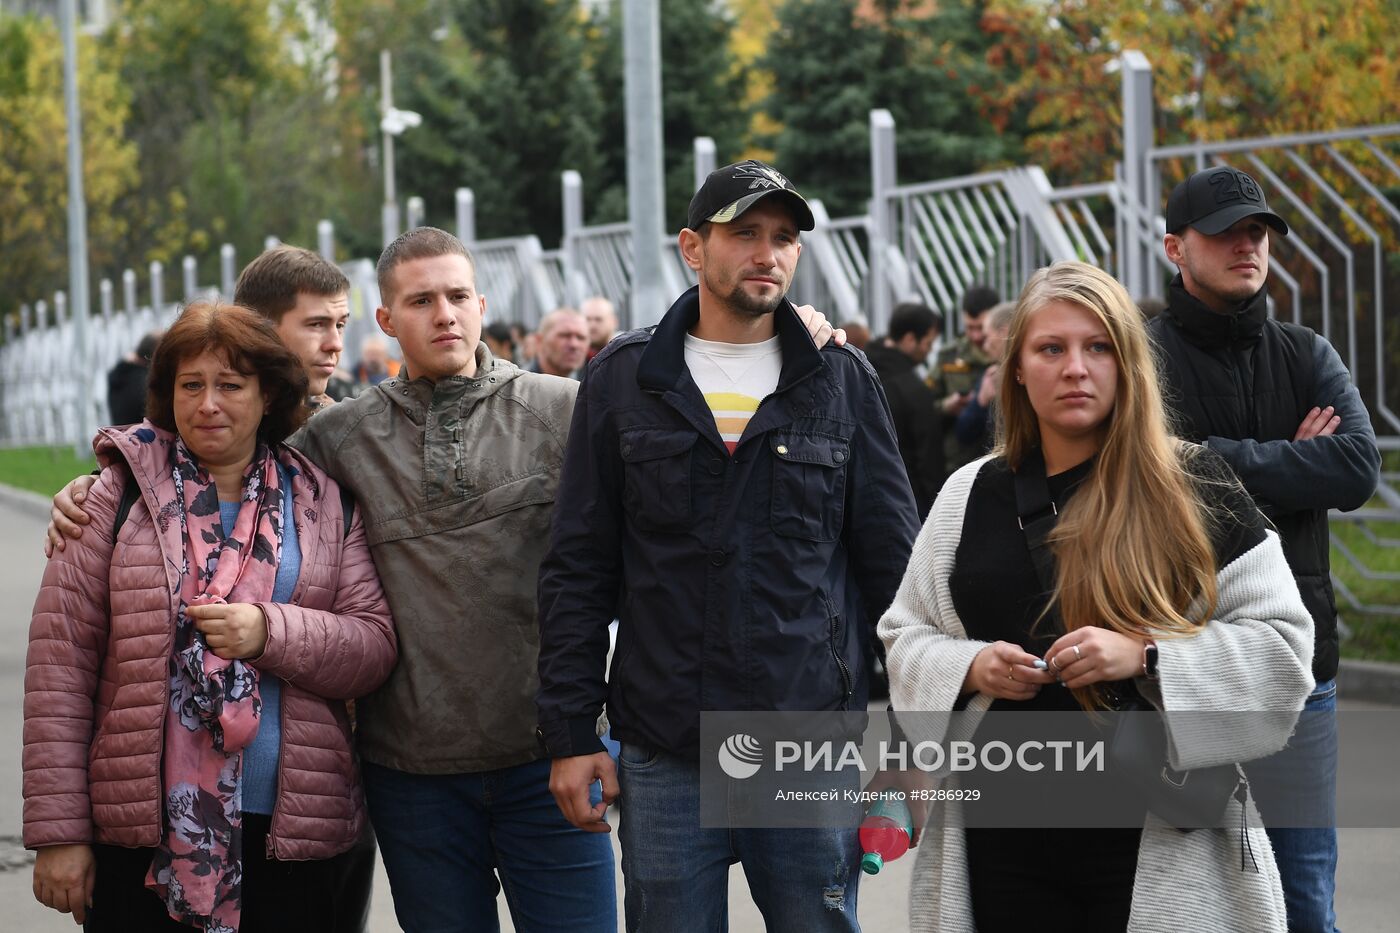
(1037, 515)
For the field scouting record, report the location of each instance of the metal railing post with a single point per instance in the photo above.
(228, 271)
(705, 159)
(466, 215)
(883, 178)
(325, 240)
(157, 286)
(189, 269)
(129, 290)
(571, 197)
(1137, 139)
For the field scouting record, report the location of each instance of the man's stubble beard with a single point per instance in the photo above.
(748, 306)
(745, 305)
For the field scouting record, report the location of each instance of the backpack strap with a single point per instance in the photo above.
(131, 492)
(347, 509)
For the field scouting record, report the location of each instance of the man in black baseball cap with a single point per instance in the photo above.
(1276, 402)
(737, 500)
(1217, 234)
(730, 191)
(1212, 201)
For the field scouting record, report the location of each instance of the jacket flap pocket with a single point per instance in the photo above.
(640, 444)
(816, 449)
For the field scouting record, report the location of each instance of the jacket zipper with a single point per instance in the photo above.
(834, 620)
(160, 759)
(277, 794)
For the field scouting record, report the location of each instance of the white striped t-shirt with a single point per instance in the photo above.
(734, 378)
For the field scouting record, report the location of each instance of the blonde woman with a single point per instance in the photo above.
(1168, 586)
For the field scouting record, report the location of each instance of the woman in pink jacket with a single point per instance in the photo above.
(187, 749)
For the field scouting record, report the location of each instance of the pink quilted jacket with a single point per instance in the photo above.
(96, 691)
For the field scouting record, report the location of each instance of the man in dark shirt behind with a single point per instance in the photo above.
(918, 422)
(126, 383)
(1276, 401)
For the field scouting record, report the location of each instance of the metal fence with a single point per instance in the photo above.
(41, 370)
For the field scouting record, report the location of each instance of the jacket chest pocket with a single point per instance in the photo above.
(656, 477)
(809, 485)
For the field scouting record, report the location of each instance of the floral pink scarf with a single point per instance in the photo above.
(214, 704)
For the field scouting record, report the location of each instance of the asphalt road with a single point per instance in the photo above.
(1368, 898)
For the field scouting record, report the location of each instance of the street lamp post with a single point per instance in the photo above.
(646, 186)
(392, 123)
(77, 227)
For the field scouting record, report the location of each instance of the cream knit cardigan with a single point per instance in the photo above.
(1255, 655)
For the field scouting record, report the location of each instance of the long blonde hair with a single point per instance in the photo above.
(1132, 548)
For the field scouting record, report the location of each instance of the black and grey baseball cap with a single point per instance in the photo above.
(731, 190)
(1213, 200)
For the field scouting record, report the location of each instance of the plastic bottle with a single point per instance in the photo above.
(885, 832)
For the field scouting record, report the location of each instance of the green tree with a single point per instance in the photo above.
(833, 61)
(505, 121)
(933, 77)
(823, 59)
(703, 89)
(33, 160)
(234, 111)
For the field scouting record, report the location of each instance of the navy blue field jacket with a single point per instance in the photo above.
(748, 582)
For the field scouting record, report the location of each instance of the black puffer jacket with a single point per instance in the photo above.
(1241, 384)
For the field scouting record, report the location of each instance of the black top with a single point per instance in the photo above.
(994, 585)
(918, 426)
(126, 392)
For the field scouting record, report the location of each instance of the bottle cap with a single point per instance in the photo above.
(871, 863)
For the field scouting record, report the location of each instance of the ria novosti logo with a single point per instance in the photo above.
(740, 756)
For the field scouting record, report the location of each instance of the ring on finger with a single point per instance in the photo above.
(1010, 672)
(1077, 654)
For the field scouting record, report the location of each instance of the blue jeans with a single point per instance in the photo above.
(676, 874)
(445, 838)
(1302, 779)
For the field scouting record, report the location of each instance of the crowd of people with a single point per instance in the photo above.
(280, 632)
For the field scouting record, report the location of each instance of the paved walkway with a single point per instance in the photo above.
(1369, 899)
